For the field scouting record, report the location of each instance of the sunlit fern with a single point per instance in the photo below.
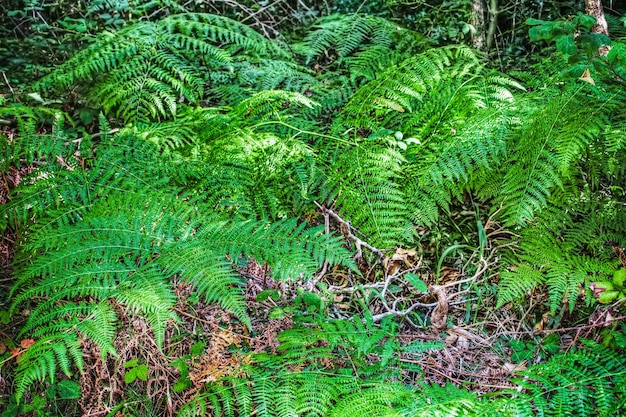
(115, 231)
(142, 71)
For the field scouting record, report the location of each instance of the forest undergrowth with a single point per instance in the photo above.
(291, 210)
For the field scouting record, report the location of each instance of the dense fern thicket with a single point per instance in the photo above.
(207, 221)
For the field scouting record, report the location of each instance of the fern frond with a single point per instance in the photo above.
(446, 161)
(342, 35)
(262, 174)
(615, 146)
(221, 30)
(400, 89)
(263, 394)
(526, 188)
(273, 74)
(142, 70)
(433, 400)
(40, 361)
(456, 114)
(365, 182)
(291, 249)
(148, 293)
(375, 399)
(269, 105)
(286, 399)
(545, 152)
(59, 193)
(557, 250)
(99, 326)
(586, 382)
(366, 65)
(31, 147)
(316, 393)
(514, 285)
(198, 262)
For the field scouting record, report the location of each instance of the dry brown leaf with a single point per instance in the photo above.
(402, 257)
(587, 77)
(26, 343)
(462, 342)
(514, 367)
(451, 339)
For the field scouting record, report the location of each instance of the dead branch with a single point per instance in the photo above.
(350, 235)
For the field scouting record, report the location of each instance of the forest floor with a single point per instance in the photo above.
(481, 347)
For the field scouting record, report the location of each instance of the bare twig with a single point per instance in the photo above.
(469, 335)
(6, 81)
(348, 230)
(95, 135)
(401, 313)
(481, 270)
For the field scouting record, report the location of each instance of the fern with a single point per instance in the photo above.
(449, 400)
(556, 175)
(349, 50)
(225, 144)
(343, 35)
(558, 252)
(259, 153)
(142, 70)
(368, 64)
(100, 234)
(140, 7)
(589, 381)
(41, 360)
(269, 74)
(399, 90)
(545, 152)
(269, 105)
(33, 147)
(375, 400)
(369, 192)
(455, 117)
(519, 282)
(448, 161)
(566, 244)
(615, 145)
(306, 378)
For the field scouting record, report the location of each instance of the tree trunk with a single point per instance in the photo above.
(479, 11)
(493, 23)
(594, 8)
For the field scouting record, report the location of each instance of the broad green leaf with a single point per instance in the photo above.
(142, 372)
(36, 97)
(197, 349)
(586, 21)
(131, 363)
(269, 293)
(130, 376)
(534, 22)
(68, 390)
(566, 45)
(276, 313)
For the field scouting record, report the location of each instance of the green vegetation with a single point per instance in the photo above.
(279, 210)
